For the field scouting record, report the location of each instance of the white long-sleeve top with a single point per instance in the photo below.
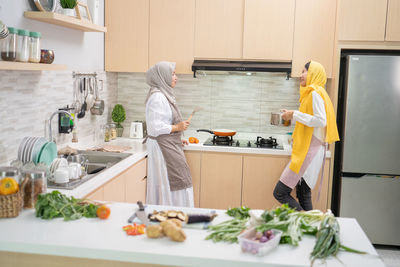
(158, 115)
(318, 121)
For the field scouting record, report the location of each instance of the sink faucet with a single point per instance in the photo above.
(49, 122)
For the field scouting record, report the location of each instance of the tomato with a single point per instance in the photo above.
(8, 186)
(103, 212)
(192, 140)
(196, 140)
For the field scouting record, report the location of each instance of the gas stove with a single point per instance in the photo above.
(229, 141)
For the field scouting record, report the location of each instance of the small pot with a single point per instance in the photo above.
(277, 120)
(120, 130)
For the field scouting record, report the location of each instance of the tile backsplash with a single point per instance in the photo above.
(28, 98)
(229, 100)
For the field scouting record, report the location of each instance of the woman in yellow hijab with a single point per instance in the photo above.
(315, 127)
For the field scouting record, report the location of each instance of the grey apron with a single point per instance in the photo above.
(171, 147)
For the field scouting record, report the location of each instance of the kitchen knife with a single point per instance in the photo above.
(130, 220)
(141, 214)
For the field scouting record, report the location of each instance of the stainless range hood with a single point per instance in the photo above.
(244, 66)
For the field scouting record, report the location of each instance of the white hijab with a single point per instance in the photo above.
(159, 78)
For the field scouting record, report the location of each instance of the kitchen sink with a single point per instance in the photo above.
(94, 162)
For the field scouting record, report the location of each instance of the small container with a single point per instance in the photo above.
(249, 244)
(12, 172)
(34, 47)
(113, 131)
(23, 45)
(37, 184)
(9, 45)
(46, 56)
(107, 133)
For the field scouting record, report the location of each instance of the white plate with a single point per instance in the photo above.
(21, 146)
(30, 148)
(26, 148)
(23, 157)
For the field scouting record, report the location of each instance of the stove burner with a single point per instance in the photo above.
(270, 142)
(222, 140)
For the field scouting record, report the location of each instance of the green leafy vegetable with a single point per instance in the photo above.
(328, 240)
(240, 213)
(227, 231)
(54, 205)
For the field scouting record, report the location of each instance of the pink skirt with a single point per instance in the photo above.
(289, 177)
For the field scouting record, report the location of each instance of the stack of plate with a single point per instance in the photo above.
(37, 149)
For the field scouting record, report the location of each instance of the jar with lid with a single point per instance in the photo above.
(9, 47)
(12, 172)
(22, 45)
(107, 133)
(34, 47)
(36, 185)
(113, 131)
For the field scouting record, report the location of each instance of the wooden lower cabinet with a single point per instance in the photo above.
(128, 186)
(221, 180)
(260, 175)
(193, 159)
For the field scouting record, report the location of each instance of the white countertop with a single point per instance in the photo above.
(139, 151)
(105, 239)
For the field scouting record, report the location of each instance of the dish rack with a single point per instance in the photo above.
(11, 205)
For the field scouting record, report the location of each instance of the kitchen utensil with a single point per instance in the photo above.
(195, 109)
(138, 129)
(81, 114)
(141, 214)
(91, 97)
(98, 106)
(61, 175)
(219, 132)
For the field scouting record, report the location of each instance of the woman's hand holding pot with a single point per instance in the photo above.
(287, 114)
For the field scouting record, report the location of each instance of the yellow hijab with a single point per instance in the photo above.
(316, 80)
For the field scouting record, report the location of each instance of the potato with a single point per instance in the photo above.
(173, 231)
(154, 231)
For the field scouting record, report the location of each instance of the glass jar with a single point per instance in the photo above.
(12, 172)
(36, 185)
(22, 45)
(9, 47)
(34, 47)
(113, 131)
(107, 133)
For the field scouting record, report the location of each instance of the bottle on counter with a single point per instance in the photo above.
(37, 184)
(34, 47)
(23, 45)
(113, 131)
(9, 45)
(12, 172)
(107, 133)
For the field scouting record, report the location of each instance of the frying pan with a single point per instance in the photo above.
(219, 132)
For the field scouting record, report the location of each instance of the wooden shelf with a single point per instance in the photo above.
(6, 65)
(65, 21)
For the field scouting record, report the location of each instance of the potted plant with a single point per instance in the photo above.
(68, 7)
(118, 116)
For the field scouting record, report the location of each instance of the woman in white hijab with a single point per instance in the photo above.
(168, 179)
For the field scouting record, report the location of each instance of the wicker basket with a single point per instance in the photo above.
(11, 205)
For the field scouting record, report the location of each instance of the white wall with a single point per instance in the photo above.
(81, 51)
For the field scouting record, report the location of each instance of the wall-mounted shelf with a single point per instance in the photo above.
(65, 21)
(6, 65)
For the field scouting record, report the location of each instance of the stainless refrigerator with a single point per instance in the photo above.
(369, 154)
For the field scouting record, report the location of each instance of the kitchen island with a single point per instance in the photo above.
(31, 241)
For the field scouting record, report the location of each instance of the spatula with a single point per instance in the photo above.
(195, 109)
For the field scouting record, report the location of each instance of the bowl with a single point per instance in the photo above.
(249, 244)
(46, 56)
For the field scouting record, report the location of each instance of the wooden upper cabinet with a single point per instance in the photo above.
(314, 35)
(393, 21)
(362, 20)
(219, 29)
(172, 33)
(268, 29)
(127, 36)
